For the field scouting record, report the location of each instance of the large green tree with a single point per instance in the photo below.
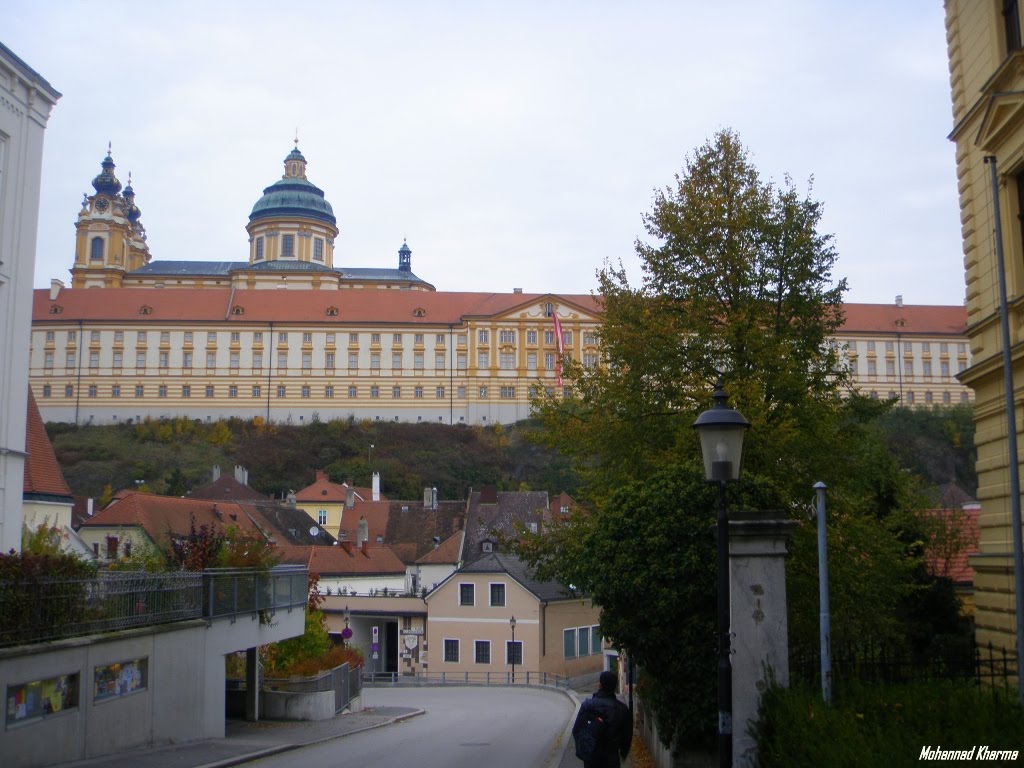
(737, 281)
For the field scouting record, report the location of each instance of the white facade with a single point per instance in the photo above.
(26, 100)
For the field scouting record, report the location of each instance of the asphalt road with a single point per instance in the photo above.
(462, 728)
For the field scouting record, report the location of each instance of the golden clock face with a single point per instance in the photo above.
(101, 204)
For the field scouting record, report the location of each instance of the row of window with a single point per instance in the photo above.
(581, 641)
(397, 339)
(910, 397)
(467, 594)
(507, 392)
(907, 367)
(482, 651)
(908, 347)
(506, 360)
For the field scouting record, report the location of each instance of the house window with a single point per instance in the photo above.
(396, 392)
(186, 360)
(451, 650)
(482, 359)
(329, 391)
(946, 398)
(140, 359)
(374, 391)
(259, 249)
(211, 360)
(209, 390)
(595, 639)
(305, 390)
(161, 391)
(211, 337)
(321, 517)
(257, 360)
(507, 361)
(69, 391)
(1011, 26)
(375, 338)
(944, 368)
(890, 368)
(482, 652)
(440, 393)
(497, 595)
(69, 360)
(307, 360)
(439, 361)
(232, 362)
(584, 641)
(48, 360)
(352, 392)
(186, 390)
(396, 361)
(569, 643)
(514, 652)
(118, 359)
(96, 252)
(482, 337)
(140, 391)
(462, 391)
(439, 340)
(92, 390)
(282, 338)
(288, 246)
(115, 390)
(508, 393)
(531, 337)
(467, 594)
(353, 361)
(47, 390)
(255, 390)
(549, 361)
(461, 361)
(507, 337)
(567, 338)
(888, 346)
(257, 338)
(483, 393)
(233, 390)
(375, 361)
(329, 361)
(281, 390)
(417, 361)
(417, 338)
(318, 249)
(418, 392)
(927, 367)
(872, 368)
(531, 361)
(112, 543)
(549, 337)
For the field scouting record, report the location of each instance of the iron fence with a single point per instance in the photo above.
(343, 680)
(988, 666)
(50, 609)
(395, 679)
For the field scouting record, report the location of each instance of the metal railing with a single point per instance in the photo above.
(343, 680)
(40, 610)
(395, 679)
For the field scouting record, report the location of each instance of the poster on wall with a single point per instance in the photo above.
(28, 701)
(114, 680)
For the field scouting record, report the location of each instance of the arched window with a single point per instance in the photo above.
(96, 249)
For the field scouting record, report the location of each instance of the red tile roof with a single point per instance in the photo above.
(447, 552)
(322, 489)
(346, 560)
(42, 472)
(160, 515)
(376, 514)
(227, 488)
(214, 305)
(908, 319)
(947, 555)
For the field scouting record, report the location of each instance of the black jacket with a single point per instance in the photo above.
(620, 728)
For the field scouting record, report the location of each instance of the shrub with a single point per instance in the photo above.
(39, 593)
(883, 724)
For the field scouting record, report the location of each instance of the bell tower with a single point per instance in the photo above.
(109, 237)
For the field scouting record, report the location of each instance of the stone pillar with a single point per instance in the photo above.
(757, 614)
(252, 684)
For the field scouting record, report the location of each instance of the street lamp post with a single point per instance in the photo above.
(721, 431)
(512, 650)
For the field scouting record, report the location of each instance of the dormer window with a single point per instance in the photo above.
(419, 312)
(238, 309)
(332, 312)
(487, 546)
(56, 309)
(96, 249)
(145, 309)
(549, 309)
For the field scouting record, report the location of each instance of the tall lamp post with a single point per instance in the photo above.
(512, 650)
(721, 431)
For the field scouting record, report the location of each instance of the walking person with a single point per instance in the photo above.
(603, 730)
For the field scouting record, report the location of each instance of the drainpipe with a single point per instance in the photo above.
(270, 360)
(78, 379)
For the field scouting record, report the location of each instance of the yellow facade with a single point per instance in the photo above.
(986, 63)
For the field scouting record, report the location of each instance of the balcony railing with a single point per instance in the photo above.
(50, 609)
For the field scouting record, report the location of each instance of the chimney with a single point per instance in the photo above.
(433, 497)
(363, 547)
(55, 288)
(426, 498)
(291, 499)
(321, 475)
(517, 290)
(90, 506)
(241, 474)
(350, 496)
(899, 300)
(347, 546)
(376, 486)
(216, 472)
(362, 532)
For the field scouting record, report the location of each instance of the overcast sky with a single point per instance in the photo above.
(515, 144)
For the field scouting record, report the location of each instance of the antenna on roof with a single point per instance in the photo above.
(314, 531)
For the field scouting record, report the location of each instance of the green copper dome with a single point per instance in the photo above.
(293, 195)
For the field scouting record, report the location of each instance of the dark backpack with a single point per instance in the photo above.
(591, 736)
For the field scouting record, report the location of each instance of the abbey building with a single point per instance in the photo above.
(290, 335)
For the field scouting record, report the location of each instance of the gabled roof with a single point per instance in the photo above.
(412, 526)
(214, 305)
(447, 552)
(376, 514)
(287, 524)
(518, 570)
(159, 516)
(323, 490)
(348, 560)
(508, 511)
(42, 479)
(909, 319)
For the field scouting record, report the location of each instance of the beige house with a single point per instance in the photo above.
(986, 66)
(470, 626)
(326, 501)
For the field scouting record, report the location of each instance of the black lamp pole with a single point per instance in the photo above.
(512, 650)
(721, 430)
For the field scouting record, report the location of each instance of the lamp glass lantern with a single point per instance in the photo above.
(721, 430)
